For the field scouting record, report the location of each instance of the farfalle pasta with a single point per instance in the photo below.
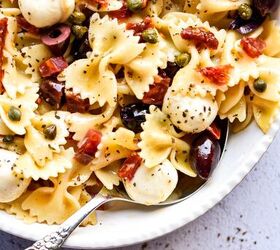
(116, 96)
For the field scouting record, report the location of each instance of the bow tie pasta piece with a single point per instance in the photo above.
(154, 8)
(55, 204)
(113, 41)
(33, 57)
(191, 6)
(216, 11)
(109, 175)
(114, 146)
(79, 124)
(50, 130)
(15, 208)
(91, 79)
(264, 112)
(243, 66)
(232, 97)
(140, 72)
(107, 6)
(271, 36)
(52, 167)
(177, 22)
(24, 111)
(159, 139)
(12, 185)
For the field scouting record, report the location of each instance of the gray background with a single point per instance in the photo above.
(249, 218)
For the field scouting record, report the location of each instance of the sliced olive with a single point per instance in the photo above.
(245, 11)
(14, 114)
(8, 138)
(260, 85)
(134, 5)
(77, 17)
(57, 38)
(79, 31)
(183, 59)
(50, 132)
(150, 36)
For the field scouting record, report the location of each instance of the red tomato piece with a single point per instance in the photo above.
(53, 66)
(157, 91)
(218, 75)
(75, 103)
(88, 147)
(26, 26)
(141, 26)
(122, 13)
(215, 131)
(130, 166)
(254, 47)
(200, 37)
(3, 33)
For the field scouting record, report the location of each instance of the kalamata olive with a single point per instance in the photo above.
(133, 116)
(80, 48)
(57, 39)
(170, 71)
(205, 155)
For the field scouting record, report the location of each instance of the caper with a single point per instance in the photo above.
(50, 132)
(134, 5)
(8, 138)
(260, 85)
(14, 114)
(77, 17)
(79, 31)
(182, 59)
(150, 36)
(245, 11)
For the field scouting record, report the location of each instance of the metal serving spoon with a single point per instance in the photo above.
(56, 239)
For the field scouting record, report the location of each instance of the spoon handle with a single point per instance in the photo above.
(56, 239)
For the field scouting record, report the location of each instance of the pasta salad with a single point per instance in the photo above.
(126, 93)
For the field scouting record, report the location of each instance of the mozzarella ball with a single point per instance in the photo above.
(44, 13)
(151, 186)
(12, 185)
(191, 114)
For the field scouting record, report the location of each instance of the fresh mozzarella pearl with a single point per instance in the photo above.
(44, 13)
(11, 185)
(191, 114)
(152, 185)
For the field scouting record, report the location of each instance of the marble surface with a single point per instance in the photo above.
(248, 218)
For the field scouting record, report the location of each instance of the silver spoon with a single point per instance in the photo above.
(56, 239)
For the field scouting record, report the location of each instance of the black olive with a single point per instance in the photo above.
(170, 71)
(80, 48)
(134, 115)
(205, 155)
(57, 39)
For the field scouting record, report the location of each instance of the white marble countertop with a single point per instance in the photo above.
(249, 218)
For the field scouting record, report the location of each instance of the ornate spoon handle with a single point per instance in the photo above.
(56, 239)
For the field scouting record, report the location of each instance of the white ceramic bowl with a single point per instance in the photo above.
(137, 224)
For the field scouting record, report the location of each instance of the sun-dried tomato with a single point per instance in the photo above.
(200, 37)
(3, 33)
(253, 47)
(157, 91)
(215, 131)
(26, 26)
(88, 147)
(122, 13)
(52, 92)
(218, 75)
(129, 167)
(74, 103)
(53, 66)
(138, 28)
